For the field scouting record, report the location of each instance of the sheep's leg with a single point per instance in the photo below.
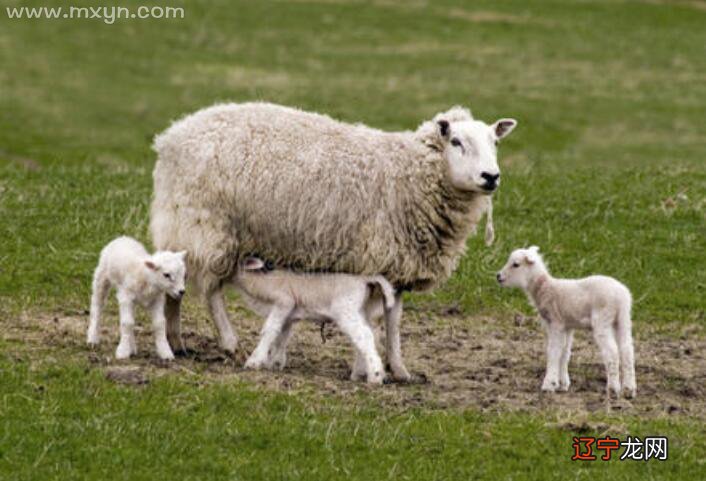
(555, 347)
(605, 339)
(359, 371)
(393, 348)
(127, 345)
(159, 330)
(353, 324)
(270, 331)
(564, 379)
(101, 286)
(627, 354)
(217, 307)
(278, 358)
(172, 312)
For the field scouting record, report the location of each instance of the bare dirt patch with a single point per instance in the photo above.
(457, 362)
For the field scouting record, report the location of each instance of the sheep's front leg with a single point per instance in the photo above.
(172, 312)
(555, 347)
(277, 318)
(605, 339)
(217, 307)
(393, 347)
(127, 345)
(357, 329)
(564, 379)
(159, 330)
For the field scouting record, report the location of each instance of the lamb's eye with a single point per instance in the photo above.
(515, 265)
(455, 142)
(167, 275)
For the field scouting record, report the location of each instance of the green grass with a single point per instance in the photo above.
(605, 172)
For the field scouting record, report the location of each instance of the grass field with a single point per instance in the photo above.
(605, 172)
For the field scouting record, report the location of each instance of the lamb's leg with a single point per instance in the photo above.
(605, 339)
(392, 341)
(172, 312)
(127, 345)
(359, 371)
(357, 329)
(564, 379)
(278, 357)
(270, 331)
(101, 286)
(627, 353)
(159, 330)
(555, 347)
(217, 307)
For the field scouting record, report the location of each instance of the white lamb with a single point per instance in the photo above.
(350, 301)
(599, 303)
(138, 278)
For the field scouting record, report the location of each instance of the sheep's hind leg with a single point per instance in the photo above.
(393, 349)
(605, 339)
(564, 379)
(217, 308)
(358, 330)
(172, 313)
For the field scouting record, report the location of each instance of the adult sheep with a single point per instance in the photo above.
(312, 193)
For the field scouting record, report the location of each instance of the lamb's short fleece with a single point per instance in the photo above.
(349, 301)
(599, 303)
(139, 278)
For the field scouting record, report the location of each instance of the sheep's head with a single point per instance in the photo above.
(471, 149)
(522, 266)
(168, 271)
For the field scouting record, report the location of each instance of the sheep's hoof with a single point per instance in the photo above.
(400, 374)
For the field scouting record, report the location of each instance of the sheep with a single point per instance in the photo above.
(312, 193)
(139, 278)
(284, 297)
(599, 303)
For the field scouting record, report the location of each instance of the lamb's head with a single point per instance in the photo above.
(167, 270)
(523, 266)
(471, 149)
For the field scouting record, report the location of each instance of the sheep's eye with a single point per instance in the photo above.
(515, 265)
(167, 275)
(455, 142)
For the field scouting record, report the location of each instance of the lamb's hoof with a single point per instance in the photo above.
(376, 378)
(166, 356)
(92, 344)
(550, 386)
(229, 345)
(358, 376)
(613, 392)
(122, 353)
(629, 392)
(254, 364)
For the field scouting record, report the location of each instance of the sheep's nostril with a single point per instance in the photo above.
(491, 180)
(498, 277)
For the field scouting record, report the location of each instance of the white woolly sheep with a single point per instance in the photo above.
(139, 278)
(351, 302)
(312, 193)
(599, 303)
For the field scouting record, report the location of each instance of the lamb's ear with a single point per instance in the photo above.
(151, 265)
(503, 127)
(443, 127)
(182, 254)
(253, 264)
(532, 255)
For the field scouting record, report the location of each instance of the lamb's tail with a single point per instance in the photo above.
(388, 292)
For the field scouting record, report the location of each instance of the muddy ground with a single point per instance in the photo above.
(457, 362)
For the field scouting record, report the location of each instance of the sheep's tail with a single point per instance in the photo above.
(100, 288)
(489, 228)
(388, 292)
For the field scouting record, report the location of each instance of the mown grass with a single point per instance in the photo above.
(605, 173)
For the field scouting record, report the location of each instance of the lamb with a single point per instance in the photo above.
(139, 278)
(312, 193)
(349, 301)
(599, 303)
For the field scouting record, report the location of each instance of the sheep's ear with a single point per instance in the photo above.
(443, 127)
(253, 264)
(151, 265)
(503, 127)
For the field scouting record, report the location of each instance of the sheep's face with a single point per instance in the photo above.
(168, 272)
(471, 149)
(522, 266)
